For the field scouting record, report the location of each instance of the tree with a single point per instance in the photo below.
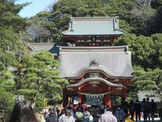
(40, 29)
(146, 60)
(9, 15)
(7, 90)
(10, 25)
(135, 16)
(38, 32)
(40, 77)
(141, 78)
(148, 80)
(10, 45)
(157, 57)
(7, 102)
(57, 20)
(143, 49)
(157, 24)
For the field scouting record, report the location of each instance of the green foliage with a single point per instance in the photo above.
(135, 16)
(6, 100)
(156, 76)
(7, 90)
(145, 82)
(149, 80)
(71, 3)
(146, 51)
(40, 101)
(57, 21)
(157, 44)
(8, 38)
(41, 77)
(118, 100)
(10, 25)
(9, 15)
(7, 59)
(27, 92)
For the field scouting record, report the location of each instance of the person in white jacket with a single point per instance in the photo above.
(62, 117)
(66, 117)
(107, 117)
(69, 117)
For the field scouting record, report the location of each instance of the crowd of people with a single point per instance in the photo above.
(71, 113)
(136, 109)
(23, 112)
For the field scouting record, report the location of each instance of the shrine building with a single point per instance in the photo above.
(97, 71)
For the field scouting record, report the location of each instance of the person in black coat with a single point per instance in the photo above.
(153, 109)
(131, 109)
(52, 117)
(148, 108)
(124, 106)
(138, 108)
(79, 107)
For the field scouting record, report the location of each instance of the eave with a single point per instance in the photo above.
(94, 79)
(75, 35)
(99, 71)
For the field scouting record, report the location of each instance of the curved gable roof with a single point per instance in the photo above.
(94, 79)
(99, 68)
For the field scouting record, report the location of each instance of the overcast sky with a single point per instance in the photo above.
(35, 7)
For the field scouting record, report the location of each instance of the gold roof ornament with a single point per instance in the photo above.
(116, 79)
(69, 88)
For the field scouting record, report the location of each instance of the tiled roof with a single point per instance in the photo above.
(114, 61)
(36, 47)
(93, 26)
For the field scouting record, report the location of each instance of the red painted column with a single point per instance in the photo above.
(80, 98)
(107, 99)
(65, 99)
(124, 92)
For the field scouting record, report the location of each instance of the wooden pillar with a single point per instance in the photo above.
(102, 41)
(65, 99)
(83, 98)
(111, 41)
(107, 100)
(124, 92)
(85, 40)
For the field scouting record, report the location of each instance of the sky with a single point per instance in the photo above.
(35, 7)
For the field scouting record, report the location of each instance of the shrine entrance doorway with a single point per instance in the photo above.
(95, 100)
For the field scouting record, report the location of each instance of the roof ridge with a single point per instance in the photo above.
(93, 17)
(97, 47)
